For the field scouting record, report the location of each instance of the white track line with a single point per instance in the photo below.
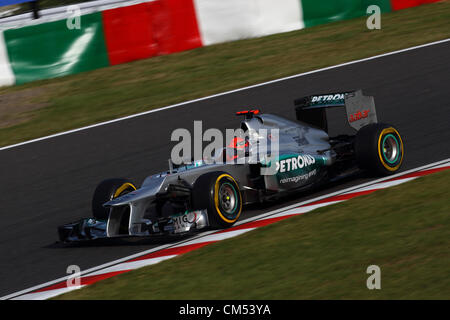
(386, 184)
(46, 295)
(225, 93)
(133, 265)
(304, 209)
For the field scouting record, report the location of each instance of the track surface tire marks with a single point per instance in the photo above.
(50, 182)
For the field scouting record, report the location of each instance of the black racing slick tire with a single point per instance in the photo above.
(219, 194)
(107, 190)
(379, 149)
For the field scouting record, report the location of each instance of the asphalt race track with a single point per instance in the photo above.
(50, 182)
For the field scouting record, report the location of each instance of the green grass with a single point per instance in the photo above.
(104, 94)
(323, 254)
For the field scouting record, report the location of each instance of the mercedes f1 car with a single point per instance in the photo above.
(194, 196)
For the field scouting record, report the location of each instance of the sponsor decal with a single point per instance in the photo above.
(184, 222)
(191, 217)
(327, 98)
(359, 115)
(302, 177)
(294, 163)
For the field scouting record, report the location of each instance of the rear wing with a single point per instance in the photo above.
(360, 109)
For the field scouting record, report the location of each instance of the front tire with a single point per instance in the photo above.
(379, 149)
(219, 194)
(107, 190)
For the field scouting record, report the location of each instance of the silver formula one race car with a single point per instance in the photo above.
(202, 194)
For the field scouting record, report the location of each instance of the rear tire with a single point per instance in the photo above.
(379, 149)
(107, 190)
(219, 194)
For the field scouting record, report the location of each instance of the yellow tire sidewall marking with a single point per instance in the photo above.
(122, 188)
(216, 198)
(384, 132)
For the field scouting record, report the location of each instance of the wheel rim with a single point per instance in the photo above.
(391, 149)
(228, 200)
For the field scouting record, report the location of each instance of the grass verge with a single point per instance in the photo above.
(108, 93)
(323, 254)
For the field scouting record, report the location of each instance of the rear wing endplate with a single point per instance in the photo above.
(360, 109)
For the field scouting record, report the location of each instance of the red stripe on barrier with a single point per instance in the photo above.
(129, 33)
(148, 29)
(176, 26)
(403, 4)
